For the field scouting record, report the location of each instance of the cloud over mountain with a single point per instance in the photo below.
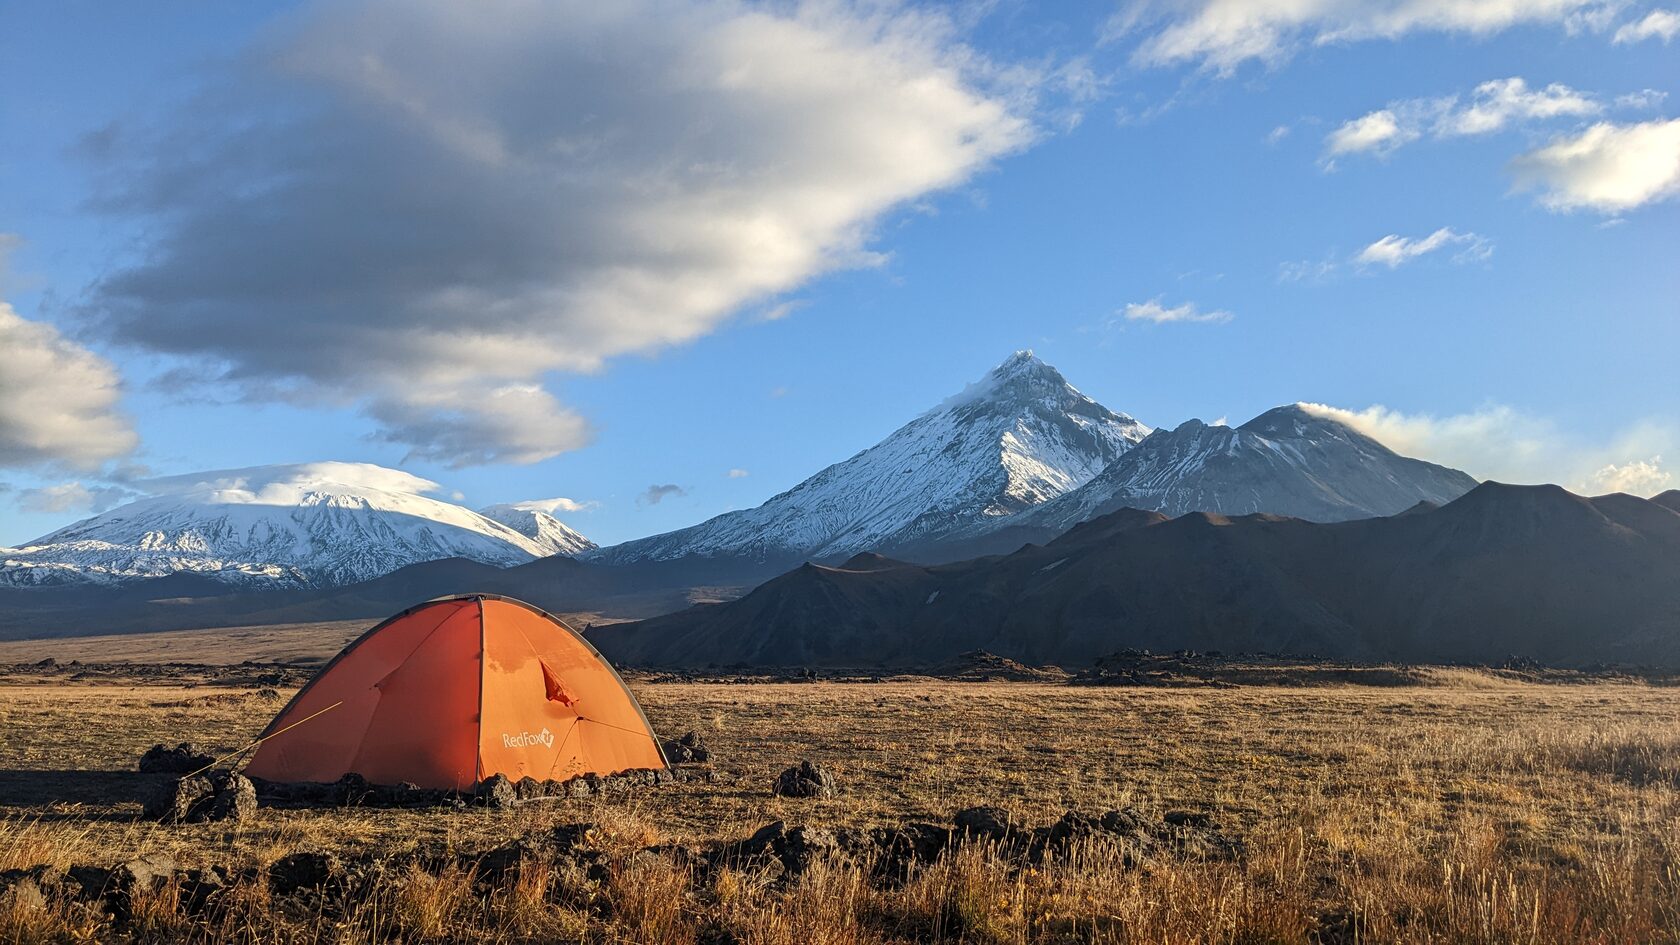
(424, 208)
(1502, 443)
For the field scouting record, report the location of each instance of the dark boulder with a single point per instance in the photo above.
(134, 877)
(688, 748)
(497, 791)
(805, 780)
(182, 759)
(304, 869)
(985, 823)
(223, 795)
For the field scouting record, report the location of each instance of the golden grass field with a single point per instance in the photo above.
(1472, 808)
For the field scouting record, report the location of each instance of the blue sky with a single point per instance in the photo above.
(721, 246)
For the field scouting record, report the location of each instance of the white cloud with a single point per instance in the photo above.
(738, 474)
(1503, 444)
(73, 497)
(285, 483)
(1220, 35)
(1498, 103)
(424, 207)
(1658, 24)
(1394, 250)
(555, 505)
(1378, 132)
(1154, 311)
(1276, 135)
(1635, 477)
(58, 400)
(1608, 167)
(1492, 106)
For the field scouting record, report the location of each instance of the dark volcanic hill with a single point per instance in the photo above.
(1528, 571)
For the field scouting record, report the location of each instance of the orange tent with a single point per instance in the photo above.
(450, 692)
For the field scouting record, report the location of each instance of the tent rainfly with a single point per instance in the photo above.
(453, 691)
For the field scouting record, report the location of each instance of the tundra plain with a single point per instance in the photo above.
(1462, 806)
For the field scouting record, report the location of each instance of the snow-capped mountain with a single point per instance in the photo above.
(311, 524)
(548, 532)
(1289, 461)
(1018, 437)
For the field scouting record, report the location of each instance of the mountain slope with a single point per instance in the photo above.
(1530, 571)
(1018, 437)
(547, 532)
(313, 524)
(1287, 461)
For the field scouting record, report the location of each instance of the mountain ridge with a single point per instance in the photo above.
(1528, 571)
(1017, 437)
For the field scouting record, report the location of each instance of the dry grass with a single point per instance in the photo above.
(1472, 810)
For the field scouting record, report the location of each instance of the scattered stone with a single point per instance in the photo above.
(497, 791)
(776, 851)
(201, 887)
(991, 823)
(1126, 823)
(804, 780)
(182, 759)
(898, 849)
(303, 870)
(90, 881)
(235, 798)
(1189, 818)
(688, 748)
(803, 846)
(174, 801)
(143, 873)
(222, 795)
(21, 890)
(1073, 826)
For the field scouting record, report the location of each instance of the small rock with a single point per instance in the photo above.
(302, 870)
(174, 801)
(898, 848)
(90, 881)
(497, 791)
(201, 887)
(20, 890)
(1190, 818)
(234, 798)
(804, 780)
(1074, 825)
(803, 846)
(688, 748)
(143, 872)
(182, 759)
(220, 796)
(1127, 823)
(992, 823)
(351, 790)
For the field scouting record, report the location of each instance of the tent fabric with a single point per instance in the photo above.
(450, 692)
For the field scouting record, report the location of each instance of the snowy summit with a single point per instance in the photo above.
(1018, 437)
(307, 524)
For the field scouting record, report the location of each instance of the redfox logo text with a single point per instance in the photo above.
(544, 738)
